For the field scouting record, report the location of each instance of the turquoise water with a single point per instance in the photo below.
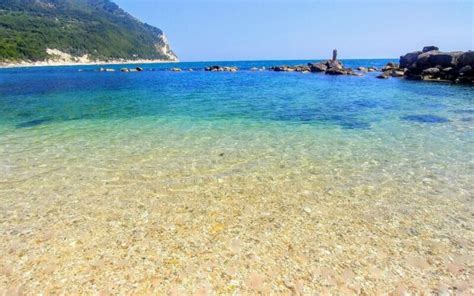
(34, 97)
(394, 154)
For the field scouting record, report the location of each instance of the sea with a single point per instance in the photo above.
(234, 183)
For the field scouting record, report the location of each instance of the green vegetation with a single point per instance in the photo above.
(95, 27)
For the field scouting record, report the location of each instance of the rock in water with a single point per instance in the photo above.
(221, 69)
(335, 71)
(444, 59)
(334, 64)
(432, 63)
(397, 73)
(383, 76)
(409, 59)
(466, 59)
(371, 69)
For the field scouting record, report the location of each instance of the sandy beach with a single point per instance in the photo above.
(89, 63)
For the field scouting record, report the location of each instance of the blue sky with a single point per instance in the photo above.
(213, 30)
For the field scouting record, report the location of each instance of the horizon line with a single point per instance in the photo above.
(277, 60)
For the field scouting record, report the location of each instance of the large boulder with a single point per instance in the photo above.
(430, 48)
(335, 71)
(397, 73)
(448, 73)
(409, 59)
(444, 59)
(466, 59)
(423, 60)
(221, 69)
(372, 69)
(390, 66)
(300, 68)
(319, 67)
(334, 64)
(466, 70)
(432, 72)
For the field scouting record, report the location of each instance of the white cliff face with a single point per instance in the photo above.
(163, 47)
(55, 55)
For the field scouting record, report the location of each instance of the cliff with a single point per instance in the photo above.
(76, 31)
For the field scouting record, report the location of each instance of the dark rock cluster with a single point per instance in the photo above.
(299, 68)
(391, 70)
(434, 65)
(137, 69)
(221, 69)
(330, 67)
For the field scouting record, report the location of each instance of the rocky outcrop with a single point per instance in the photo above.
(335, 71)
(318, 67)
(329, 67)
(106, 70)
(430, 48)
(221, 69)
(372, 69)
(391, 69)
(434, 65)
(298, 68)
(428, 64)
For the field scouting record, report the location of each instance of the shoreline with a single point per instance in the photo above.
(65, 64)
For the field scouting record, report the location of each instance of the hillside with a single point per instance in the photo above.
(76, 30)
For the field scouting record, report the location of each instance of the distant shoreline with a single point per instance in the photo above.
(4, 65)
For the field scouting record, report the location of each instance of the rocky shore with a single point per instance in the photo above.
(329, 67)
(429, 64)
(432, 64)
(221, 69)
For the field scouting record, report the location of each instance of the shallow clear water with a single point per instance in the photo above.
(90, 143)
